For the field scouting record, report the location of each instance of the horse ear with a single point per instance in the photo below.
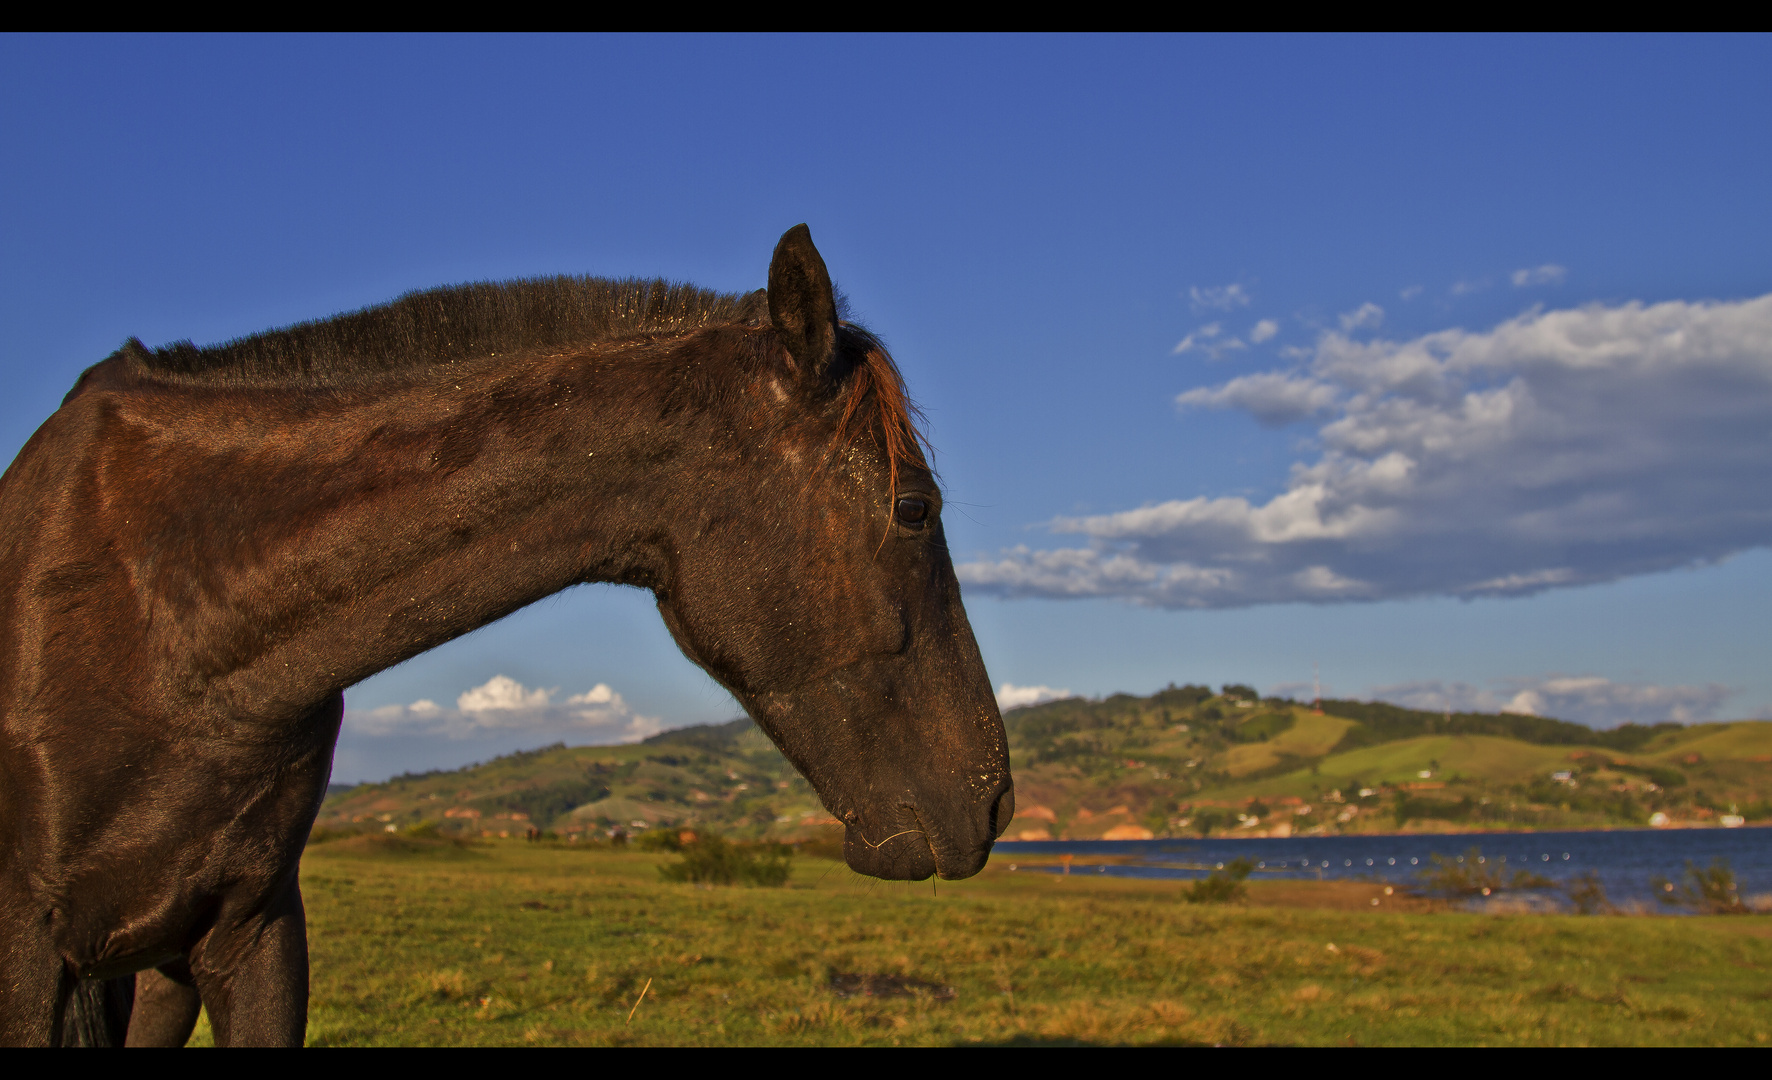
(802, 305)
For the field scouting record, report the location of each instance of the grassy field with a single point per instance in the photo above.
(508, 943)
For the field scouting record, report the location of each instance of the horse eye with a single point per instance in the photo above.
(912, 513)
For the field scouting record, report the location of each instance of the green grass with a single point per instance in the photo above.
(505, 943)
(1310, 736)
(1474, 757)
(1733, 740)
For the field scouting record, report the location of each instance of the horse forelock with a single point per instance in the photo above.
(876, 402)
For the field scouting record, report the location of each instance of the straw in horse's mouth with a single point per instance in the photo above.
(895, 836)
(853, 818)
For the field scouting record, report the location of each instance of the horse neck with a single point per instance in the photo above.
(394, 523)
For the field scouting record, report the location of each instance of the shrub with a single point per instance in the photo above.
(1409, 808)
(1207, 820)
(659, 840)
(824, 844)
(1472, 875)
(1221, 886)
(713, 860)
(1588, 895)
(1712, 891)
(1660, 775)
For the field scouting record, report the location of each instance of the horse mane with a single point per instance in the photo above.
(461, 323)
(448, 325)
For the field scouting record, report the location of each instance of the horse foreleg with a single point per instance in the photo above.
(34, 980)
(253, 976)
(166, 1006)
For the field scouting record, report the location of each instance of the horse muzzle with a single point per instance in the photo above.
(914, 841)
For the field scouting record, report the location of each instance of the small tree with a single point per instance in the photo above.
(1472, 875)
(1712, 891)
(712, 860)
(1221, 886)
(1207, 820)
(1589, 895)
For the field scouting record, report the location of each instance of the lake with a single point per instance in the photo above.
(1624, 859)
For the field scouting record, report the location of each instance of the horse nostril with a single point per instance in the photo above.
(1003, 811)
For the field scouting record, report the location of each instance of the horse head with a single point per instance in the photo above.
(820, 591)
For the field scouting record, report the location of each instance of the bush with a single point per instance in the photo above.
(1207, 820)
(664, 839)
(713, 860)
(1472, 875)
(1409, 808)
(824, 844)
(1659, 775)
(1221, 886)
(1711, 891)
(1588, 895)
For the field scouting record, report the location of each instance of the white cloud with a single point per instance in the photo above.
(1559, 448)
(1586, 699)
(500, 693)
(1410, 292)
(1010, 696)
(1198, 339)
(1263, 330)
(1218, 298)
(1367, 316)
(502, 705)
(1207, 339)
(1548, 274)
(1271, 397)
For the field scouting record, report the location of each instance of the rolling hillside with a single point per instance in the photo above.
(1183, 761)
(727, 776)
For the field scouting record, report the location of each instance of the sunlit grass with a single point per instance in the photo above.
(513, 944)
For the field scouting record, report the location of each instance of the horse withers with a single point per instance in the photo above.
(204, 546)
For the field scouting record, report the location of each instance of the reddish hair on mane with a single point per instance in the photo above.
(876, 400)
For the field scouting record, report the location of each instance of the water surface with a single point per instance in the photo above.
(1624, 859)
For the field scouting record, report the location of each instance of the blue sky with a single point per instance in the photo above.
(1442, 363)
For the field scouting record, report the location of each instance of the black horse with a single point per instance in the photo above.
(203, 547)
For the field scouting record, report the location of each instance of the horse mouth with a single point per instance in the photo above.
(909, 852)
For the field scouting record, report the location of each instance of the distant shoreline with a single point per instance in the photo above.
(1412, 835)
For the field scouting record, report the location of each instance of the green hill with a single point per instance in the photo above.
(1186, 759)
(1183, 760)
(728, 776)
